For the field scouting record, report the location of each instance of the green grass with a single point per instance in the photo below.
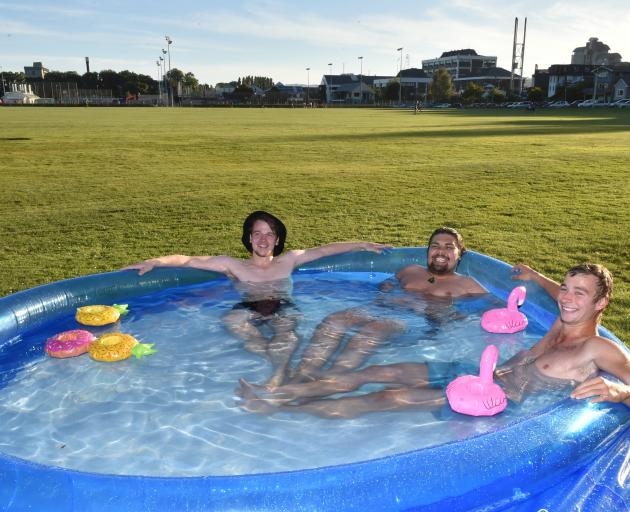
(86, 190)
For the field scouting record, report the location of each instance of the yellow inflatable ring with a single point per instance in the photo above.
(97, 315)
(113, 346)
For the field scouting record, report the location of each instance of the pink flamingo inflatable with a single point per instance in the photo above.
(507, 320)
(478, 395)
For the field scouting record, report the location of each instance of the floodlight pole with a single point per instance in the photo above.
(159, 66)
(361, 81)
(400, 77)
(330, 84)
(164, 52)
(169, 41)
(308, 85)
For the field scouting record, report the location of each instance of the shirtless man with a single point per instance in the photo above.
(439, 278)
(264, 280)
(438, 282)
(571, 354)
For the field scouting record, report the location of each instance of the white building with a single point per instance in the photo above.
(20, 94)
(458, 62)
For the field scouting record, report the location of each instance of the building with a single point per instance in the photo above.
(349, 88)
(608, 82)
(488, 78)
(595, 53)
(20, 94)
(622, 87)
(458, 62)
(568, 75)
(415, 84)
(37, 70)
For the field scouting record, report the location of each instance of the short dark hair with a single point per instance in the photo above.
(601, 273)
(275, 224)
(450, 231)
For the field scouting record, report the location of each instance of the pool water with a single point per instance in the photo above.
(174, 413)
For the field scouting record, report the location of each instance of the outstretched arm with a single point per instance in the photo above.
(221, 264)
(307, 255)
(522, 272)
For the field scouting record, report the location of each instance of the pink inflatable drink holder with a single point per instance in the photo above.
(507, 320)
(478, 395)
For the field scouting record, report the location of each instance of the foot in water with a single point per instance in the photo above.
(257, 398)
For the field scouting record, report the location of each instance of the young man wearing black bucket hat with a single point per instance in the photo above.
(263, 280)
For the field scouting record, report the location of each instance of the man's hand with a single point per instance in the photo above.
(376, 247)
(521, 272)
(143, 267)
(603, 390)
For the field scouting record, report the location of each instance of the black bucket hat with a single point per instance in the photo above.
(279, 228)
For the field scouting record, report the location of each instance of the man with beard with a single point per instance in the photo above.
(430, 293)
(446, 248)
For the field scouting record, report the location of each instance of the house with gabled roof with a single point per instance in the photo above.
(349, 88)
(622, 87)
(415, 83)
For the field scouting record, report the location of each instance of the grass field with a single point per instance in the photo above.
(86, 190)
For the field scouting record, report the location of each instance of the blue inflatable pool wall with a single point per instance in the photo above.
(572, 456)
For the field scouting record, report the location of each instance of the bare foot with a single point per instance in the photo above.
(258, 399)
(276, 380)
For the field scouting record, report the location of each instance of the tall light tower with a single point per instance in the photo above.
(163, 80)
(518, 57)
(159, 66)
(400, 77)
(169, 42)
(308, 86)
(330, 84)
(361, 80)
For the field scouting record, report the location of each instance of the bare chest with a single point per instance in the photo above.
(566, 363)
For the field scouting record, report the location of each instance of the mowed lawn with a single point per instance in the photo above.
(85, 190)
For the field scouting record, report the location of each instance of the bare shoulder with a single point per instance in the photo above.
(473, 287)
(411, 270)
(600, 346)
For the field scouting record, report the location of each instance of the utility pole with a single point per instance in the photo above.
(400, 78)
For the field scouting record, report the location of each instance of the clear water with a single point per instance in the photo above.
(174, 413)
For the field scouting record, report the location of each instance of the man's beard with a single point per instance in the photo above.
(441, 271)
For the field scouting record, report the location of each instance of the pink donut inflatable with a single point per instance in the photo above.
(69, 343)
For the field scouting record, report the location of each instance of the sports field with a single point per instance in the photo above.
(85, 190)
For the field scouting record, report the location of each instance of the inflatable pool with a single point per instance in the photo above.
(571, 456)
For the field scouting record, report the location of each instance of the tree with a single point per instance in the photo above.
(90, 80)
(497, 95)
(472, 93)
(190, 80)
(535, 94)
(242, 93)
(392, 90)
(111, 80)
(442, 86)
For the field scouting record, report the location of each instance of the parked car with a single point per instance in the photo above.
(441, 105)
(559, 104)
(592, 104)
(622, 103)
(520, 104)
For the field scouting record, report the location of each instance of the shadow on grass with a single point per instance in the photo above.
(506, 124)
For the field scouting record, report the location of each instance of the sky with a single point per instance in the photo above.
(219, 41)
